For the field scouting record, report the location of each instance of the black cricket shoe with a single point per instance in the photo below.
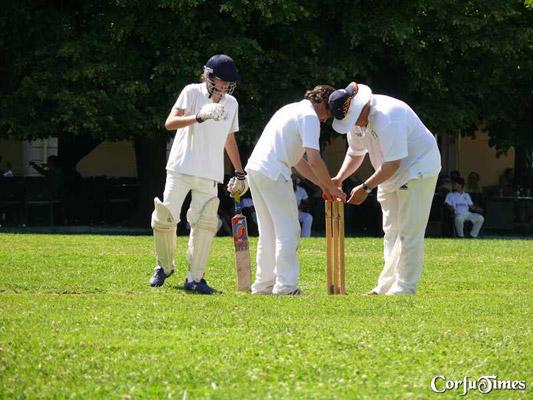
(159, 276)
(198, 287)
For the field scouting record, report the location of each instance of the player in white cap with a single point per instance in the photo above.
(205, 117)
(293, 131)
(406, 160)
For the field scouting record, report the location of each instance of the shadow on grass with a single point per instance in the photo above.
(182, 289)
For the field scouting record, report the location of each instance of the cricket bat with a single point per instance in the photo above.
(242, 251)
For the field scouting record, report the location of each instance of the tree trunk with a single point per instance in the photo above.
(71, 149)
(73, 208)
(150, 155)
(523, 166)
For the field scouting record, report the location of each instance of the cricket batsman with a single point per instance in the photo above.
(406, 160)
(294, 130)
(205, 117)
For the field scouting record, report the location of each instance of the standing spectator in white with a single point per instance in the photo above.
(464, 209)
(205, 117)
(406, 160)
(302, 201)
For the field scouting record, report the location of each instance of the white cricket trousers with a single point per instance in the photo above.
(306, 220)
(279, 234)
(476, 219)
(405, 216)
(177, 187)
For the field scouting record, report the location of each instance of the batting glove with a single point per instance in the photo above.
(238, 185)
(211, 111)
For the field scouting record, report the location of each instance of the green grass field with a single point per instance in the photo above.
(78, 320)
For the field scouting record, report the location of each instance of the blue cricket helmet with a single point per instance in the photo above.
(222, 67)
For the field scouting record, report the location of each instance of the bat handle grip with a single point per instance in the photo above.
(237, 198)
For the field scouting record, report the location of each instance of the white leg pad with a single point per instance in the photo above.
(164, 226)
(203, 229)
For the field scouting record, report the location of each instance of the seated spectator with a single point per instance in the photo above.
(8, 172)
(455, 175)
(302, 201)
(473, 188)
(463, 209)
(444, 185)
(247, 205)
(472, 183)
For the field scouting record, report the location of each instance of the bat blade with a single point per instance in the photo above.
(242, 250)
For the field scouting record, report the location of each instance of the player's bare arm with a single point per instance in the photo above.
(237, 185)
(384, 172)
(233, 152)
(306, 171)
(177, 119)
(321, 172)
(349, 166)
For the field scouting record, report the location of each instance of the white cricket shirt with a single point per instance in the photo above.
(283, 141)
(461, 202)
(300, 195)
(394, 132)
(198, 149)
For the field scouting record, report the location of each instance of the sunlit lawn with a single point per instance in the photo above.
(78, 320)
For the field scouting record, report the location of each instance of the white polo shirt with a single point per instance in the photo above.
(394, 132)
(198, 149)
(283, 141)
(300, 195)
(461, 202)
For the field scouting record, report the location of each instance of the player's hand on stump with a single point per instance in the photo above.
(238, 185)
(211, 111)
(334, 194)
(338, 194)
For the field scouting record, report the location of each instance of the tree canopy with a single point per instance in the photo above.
(113, 68)
(94, 70)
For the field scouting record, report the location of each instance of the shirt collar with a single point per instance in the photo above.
(362, 130)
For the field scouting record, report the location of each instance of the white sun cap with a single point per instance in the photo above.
(364, 94)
